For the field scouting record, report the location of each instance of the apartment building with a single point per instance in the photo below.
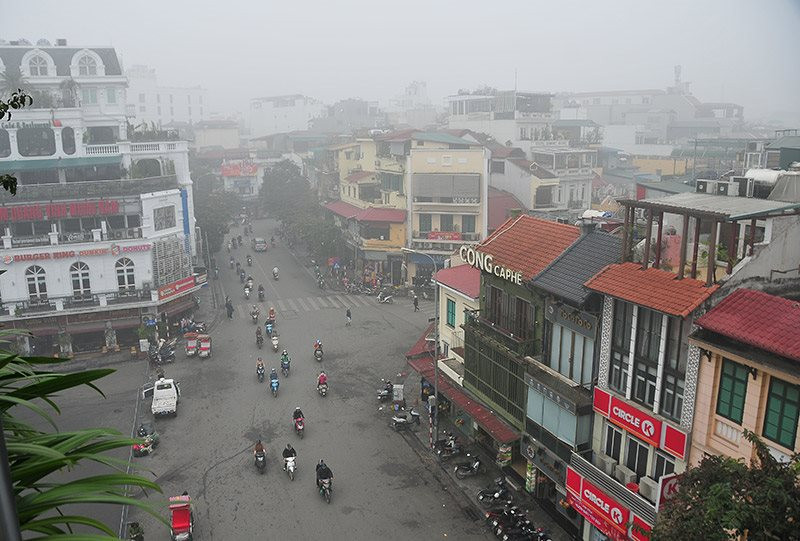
(280, 114)
(100, 237)
(152, 103)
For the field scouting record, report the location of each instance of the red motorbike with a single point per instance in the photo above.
(300, 426)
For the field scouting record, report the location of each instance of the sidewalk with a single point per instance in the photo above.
(465, 490)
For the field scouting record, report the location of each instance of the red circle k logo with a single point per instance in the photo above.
(648, 429)
(616, 515)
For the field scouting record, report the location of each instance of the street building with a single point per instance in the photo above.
(412, 108)
(459, 291)
(747, 377)
(217, 134)
(349, 116)
(100, 238)
(280, 114)
(151, 103)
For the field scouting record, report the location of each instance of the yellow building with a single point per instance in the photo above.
(748, 377)
(663, 165)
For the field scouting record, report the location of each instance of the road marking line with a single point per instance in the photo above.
(322, 303)
(365, 301)
(310, 300)
(292, 304)
(301, 303)
(332, 301)
(282, 305)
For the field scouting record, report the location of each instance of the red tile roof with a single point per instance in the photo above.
(359, 175)
(345, 210)
(372, 214)
(500, 203)
(652, 288)
(482, 415)
(463, 278)
(422, 346)
(527, 244)
(758, 319)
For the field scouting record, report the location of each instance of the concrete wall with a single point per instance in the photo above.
(516, 181)
(227, 138)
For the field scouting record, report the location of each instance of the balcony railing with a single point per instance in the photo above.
(102, 150)
(90, 189)
(76, 237)
(76, 302)
(508, 339)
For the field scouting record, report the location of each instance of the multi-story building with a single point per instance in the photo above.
(563, 177)
(508, 116)
(100, 236)
(217, 134)
(459, 290)
(747, 377)
(349, 116)
(280, 114)
(151, 103)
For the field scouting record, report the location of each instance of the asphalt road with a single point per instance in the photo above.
(381, 489)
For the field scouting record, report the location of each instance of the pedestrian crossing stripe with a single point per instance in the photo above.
(307, 304)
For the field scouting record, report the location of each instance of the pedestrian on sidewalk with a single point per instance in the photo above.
(416, 303)
(229, 307)
(349, 317)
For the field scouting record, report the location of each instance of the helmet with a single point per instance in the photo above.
(260, 360)
(259, 441)
(321, 462)
(288, 446)
(272, 308)
(297, 408)
(284, 352)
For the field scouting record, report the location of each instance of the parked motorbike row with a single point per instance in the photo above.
(507, 521)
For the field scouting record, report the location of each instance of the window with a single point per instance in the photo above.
(36, 141)
(37, 286)
(467, 223)
(645, 368)
(189, 99)
(780, 419)
(571, 354)
(620, 345)
(451, 313)
(142, 109)
(87, 66)
(445, 222)
(125, 275)
(424, 223)
(732, 390)
(142, 97)
(68, 140)
(674, 371)
(613, 441)
(111, 96)
(636, 457)
(164, 217)
(89, 95)
(664, 466)
(79, 274)
(37, 66)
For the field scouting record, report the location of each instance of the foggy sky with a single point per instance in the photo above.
(734, 50)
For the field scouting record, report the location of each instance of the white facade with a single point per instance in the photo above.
(279, 114)
(148, 102)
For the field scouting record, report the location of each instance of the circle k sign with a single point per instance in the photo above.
(648, 429)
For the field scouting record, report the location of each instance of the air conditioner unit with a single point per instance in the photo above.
(723, 188)
(117, 235)
(706, 186)
(146, 287)
(605, 463)
(648, 489)
(624, 475)
(740, 185)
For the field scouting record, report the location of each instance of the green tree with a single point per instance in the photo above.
(215, 212)
(16, 100)
(723, 498)
(44, 507)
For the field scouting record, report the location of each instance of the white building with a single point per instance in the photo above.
(280, 114)
(149, 102)
(101, 233)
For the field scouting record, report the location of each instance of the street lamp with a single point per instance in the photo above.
(436, 343)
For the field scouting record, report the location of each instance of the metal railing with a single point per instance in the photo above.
(90, 189)
(515, 343)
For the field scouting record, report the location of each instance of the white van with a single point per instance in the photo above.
(166, 393)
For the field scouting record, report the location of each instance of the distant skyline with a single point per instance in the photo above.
(738, 51)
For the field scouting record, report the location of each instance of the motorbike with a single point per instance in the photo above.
(268, 328)
(261, 295)
(290, 466)
(274, 342)
(386, 392)
(498, 494)
(385, 299)
(300, 426)
(249, 261)
(517, 528)
(241, 276)
(216, 273)
(321, 283)
(261, 462)
(498, 516)
(149, 442)
(285, 368)
(231, 262)
(468, 468)
(163, 353)
(259, 341)
(260, 374)
(275, 275)
(246, 292)
(274, 384)
(318, 354)
(401, 420)
(254, 316)
(325, 489)
(448, 451)
(322, 389)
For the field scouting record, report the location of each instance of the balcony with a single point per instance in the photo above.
(76, 237)
(503, 337)
(88, 302)
(90, 190)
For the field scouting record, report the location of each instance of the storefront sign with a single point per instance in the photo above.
(20, 125)
(667, 488)
(594, 519)
(612, 513)
(485, 262)
(239, 169)
(541, 388)
(176, 287)
(53, 211)
(114, 250)
(571, 318)
(444, 235)
(641, 424)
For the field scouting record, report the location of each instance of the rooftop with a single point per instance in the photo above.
(566, 275)
(787, 141)
(11, 56)
(386, 215)
(527, 244)
(721, 206)
(345, 210)
(463, 278)
(668, 186)
(757, 319)
(359, 175)
(652, 288)
(500, 204)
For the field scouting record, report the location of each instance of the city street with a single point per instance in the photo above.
(381, 489)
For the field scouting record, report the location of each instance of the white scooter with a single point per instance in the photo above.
(274, 342)
(385, 299)
(247, 293)
(322, 389)
(290, 466)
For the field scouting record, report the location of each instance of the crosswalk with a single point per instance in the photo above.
(309, 304)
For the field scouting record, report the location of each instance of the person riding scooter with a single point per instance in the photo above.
(289, 452)
(273, 374)
(317, 344)
(322, 379)
(275, 272)
(229, 308)
(259, 449)
(285, 362)
(284, 357)
(260, 369)
(260, 292)
(241, 276)
(232, 263)
(259, 337)
(249, 260)
(255, 312)
(323, 473)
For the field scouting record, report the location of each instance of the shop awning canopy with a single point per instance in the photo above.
(498, 429)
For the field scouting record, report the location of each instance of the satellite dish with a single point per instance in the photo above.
(43, 43)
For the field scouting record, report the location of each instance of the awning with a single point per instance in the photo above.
(421, 259)
(345, 210)
(371, 255)
(498, 429)
(177, 306)
(422, 346)
(28, 165)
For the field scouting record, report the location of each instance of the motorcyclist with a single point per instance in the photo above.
(260, 364)
(275, 271)
(285, 361)
(323, 472)
(249, 260)
(260, 292)
(241, 276)
(255, 311)
(284, 356)
(142, 432)
(231, 261)
(322, 379)
(273, 374)
(250, 280)
(259, 336)
(289, 452)
(298, 414)
(317, 344)
(271, 313)
(229, 308)
(259, 449)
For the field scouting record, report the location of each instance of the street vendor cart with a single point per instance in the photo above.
(191, 343)
(204, 345)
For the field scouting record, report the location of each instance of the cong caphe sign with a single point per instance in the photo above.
(485, 262)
